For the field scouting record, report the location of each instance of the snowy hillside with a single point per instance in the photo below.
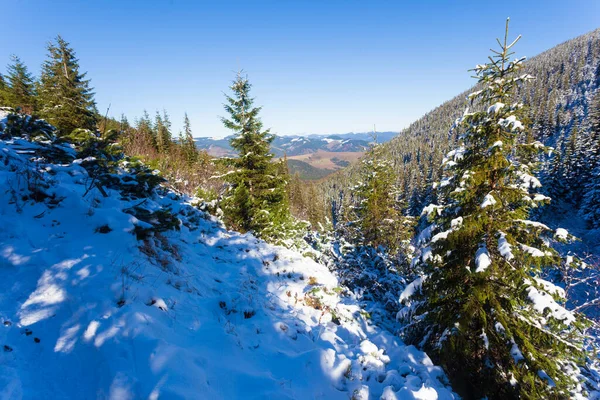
(113, 287)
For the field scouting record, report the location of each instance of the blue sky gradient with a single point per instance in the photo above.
(316, 66)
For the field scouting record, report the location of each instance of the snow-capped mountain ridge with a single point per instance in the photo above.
(294, 145)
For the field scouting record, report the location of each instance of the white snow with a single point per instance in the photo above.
(542, 374)
(497, 143)
(528, 181)
(535, 224)
(493, 109)
(551, 288)
(532, 250)
(431, 208)
(504, 247)
(486, 341)
(516, 352)
(329, 140)
(543, 301)
(159, 303)
(411, 288)
(199, 312)
(446, 181)
(87, 159)
(456, 223)
(562, 233)
(540, 197)
(499, 327)
(488, 200)
(457, 154)
(482, 259)
(441, 235)
(511, 123)
(5, 112)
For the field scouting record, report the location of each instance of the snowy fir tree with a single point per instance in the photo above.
(257, 199)
(376, 217)
(479, 309)
(20, 88)
(67, 101)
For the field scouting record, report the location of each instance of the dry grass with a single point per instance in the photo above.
(322, 159)
(182, 175)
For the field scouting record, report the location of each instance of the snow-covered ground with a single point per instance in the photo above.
(87, 311)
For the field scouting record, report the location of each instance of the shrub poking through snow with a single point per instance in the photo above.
(374, 216)
(479, 310)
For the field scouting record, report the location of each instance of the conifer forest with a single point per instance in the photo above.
(457, 257)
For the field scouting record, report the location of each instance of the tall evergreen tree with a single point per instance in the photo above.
(20, 86)
(187, 141)
(124, 124)
(159, 129)
(162, 131)
(3, 92)
(144, 126)
(167, 134)
(67, 101)
(481, 311)
(257, 199)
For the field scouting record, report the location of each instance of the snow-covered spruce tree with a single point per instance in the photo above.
(20, 87)
(376, 217)
(66, 99)
(257, 200)
(479, 309)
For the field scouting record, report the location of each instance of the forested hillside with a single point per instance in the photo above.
(560, 99)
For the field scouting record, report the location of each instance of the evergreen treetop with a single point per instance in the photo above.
(187, 141)
(66, 98)
(20, 86)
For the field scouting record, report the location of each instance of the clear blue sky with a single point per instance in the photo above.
(316, 66)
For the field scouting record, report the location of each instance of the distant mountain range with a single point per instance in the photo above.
(297, 145)
(310, 156)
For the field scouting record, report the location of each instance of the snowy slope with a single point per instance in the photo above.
(88, 311)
